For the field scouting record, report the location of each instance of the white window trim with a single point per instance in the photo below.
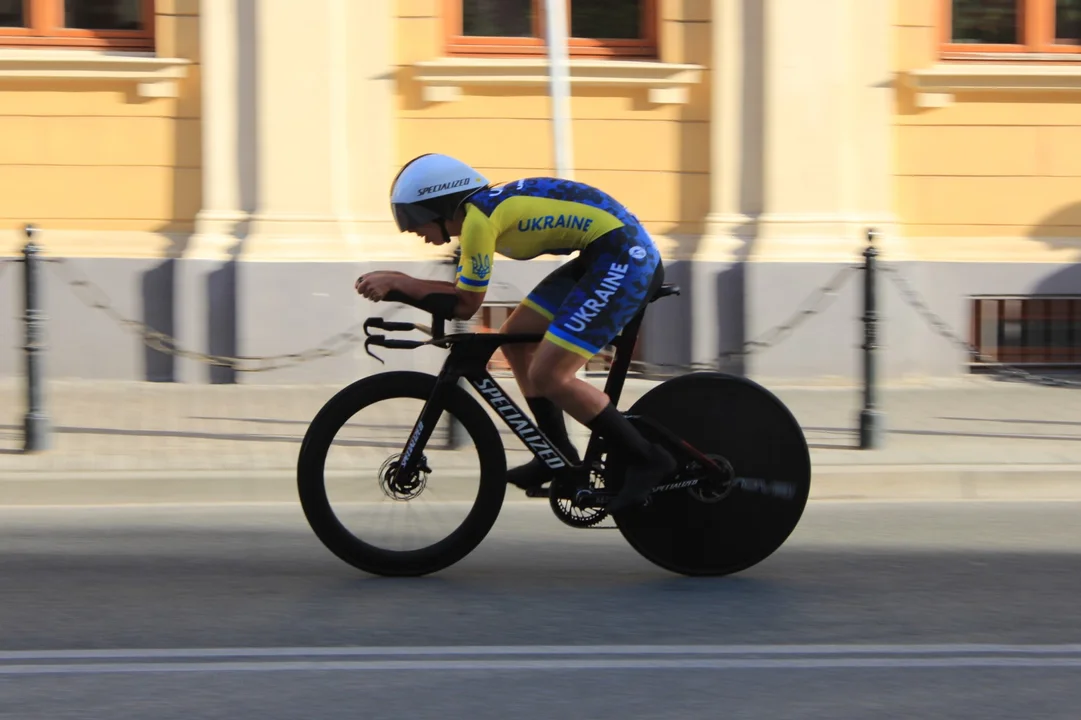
(443, 80)
(153, 77)
(936, 86)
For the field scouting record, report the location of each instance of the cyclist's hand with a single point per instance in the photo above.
(376, 285)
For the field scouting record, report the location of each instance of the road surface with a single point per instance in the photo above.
(872, 610)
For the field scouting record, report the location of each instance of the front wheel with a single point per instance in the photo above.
(726, 526)
(378, 522)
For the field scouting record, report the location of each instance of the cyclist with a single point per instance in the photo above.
(580, 307)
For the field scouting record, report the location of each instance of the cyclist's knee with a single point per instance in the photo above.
(549, 381)
(524, 320)
(553, 377)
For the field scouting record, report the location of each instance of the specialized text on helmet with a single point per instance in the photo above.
(444, 186)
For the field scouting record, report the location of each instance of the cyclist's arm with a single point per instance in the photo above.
(475, 266)
(468, 302)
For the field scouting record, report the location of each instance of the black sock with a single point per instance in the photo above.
(611, 425)
(550, 420)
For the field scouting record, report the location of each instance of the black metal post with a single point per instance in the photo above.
(870, 417)
(36, 423)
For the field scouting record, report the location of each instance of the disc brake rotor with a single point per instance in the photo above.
(403, 488)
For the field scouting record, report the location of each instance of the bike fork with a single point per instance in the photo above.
(409, 459)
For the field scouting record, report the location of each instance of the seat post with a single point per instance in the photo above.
(624, 347)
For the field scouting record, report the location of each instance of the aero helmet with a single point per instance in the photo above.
(430, 188)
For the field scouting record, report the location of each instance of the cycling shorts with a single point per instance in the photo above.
(591, 298)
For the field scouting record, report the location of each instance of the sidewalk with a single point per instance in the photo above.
(965, 431)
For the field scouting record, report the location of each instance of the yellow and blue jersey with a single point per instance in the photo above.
(534, 216)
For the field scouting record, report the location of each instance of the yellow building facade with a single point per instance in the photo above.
(222, 170)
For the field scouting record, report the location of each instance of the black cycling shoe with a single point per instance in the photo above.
(531, 475)
(641, 478)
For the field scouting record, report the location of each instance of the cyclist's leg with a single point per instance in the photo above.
(624, 272)
(533, 315)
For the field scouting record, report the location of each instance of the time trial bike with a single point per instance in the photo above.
(740, 488)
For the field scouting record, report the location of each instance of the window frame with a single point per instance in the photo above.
(1036, 18)
(45, 30)
(457, 44)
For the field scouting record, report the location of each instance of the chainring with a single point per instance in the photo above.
(569, 514)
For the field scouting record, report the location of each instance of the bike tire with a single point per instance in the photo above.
(739, 420)
(311, 481)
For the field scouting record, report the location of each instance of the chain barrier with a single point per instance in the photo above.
(941, 328)
(821, 299)
(815, 304)
(95, 297)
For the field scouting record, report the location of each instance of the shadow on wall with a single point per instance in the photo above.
(1061, 230)
(207, 288)
(714, 288)
(159, 281)
(219, 285)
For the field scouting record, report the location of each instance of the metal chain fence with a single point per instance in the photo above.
(95, 297)
(815, 304)
(819, 301)
(109, 425)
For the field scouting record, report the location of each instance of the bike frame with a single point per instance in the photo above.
(468, 359)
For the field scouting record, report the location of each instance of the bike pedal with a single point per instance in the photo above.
(537, 492)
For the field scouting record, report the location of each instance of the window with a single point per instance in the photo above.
(598, 28)
(1016, 26)
(1027, 330)
(78, 23)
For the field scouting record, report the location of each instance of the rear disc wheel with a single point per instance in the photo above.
(721, 526)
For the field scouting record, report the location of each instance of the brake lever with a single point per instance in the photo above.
(374, 339)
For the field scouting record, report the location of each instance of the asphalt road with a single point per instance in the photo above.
(914, 610)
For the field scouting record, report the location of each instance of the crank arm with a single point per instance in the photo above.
(600, 498)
